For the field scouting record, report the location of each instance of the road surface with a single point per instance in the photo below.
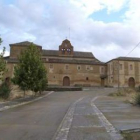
(59, 116)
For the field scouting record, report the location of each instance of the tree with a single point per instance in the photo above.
(30, 72)
(2, 62)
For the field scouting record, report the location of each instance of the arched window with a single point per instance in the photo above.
(68, 51)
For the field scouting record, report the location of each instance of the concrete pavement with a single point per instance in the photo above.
(22, 101)
(84, 121)
(122, 115)
(81, 115)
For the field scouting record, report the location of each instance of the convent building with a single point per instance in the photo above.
(66, 67)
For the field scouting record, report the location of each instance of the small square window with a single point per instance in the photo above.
(88, 68)
(66, 67)
(51, 66)
(78, 67)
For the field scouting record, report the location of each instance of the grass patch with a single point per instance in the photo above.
(137, 99)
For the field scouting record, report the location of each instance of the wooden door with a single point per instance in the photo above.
(131, 82)
(102, 82)
(66, 81)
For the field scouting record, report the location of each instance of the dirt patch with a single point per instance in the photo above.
(16, 92)
(132, 136)
(128, 94)
(124, 92)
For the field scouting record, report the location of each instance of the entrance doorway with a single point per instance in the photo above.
(66, 81)
(131, 82)
(102, 82)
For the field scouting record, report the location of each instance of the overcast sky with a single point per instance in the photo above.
(107, 28)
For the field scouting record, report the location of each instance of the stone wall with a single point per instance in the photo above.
(126, 70)
(85, 75)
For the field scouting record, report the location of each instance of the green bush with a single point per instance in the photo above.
(137, 99)
(4, 91)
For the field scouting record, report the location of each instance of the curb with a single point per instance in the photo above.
(24, 103)
(126, 131)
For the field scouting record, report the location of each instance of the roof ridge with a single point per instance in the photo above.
(49, 50)
(25, 43)
(73, 51)
(82, 52)
(127, 57)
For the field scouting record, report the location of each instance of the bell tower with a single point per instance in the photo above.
(66, 49)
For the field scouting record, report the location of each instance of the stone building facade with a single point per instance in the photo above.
(66, 67)
(124, 72)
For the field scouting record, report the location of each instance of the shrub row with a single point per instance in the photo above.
(137, 99)
(4, 91)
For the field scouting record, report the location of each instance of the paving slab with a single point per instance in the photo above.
(86, 121)
(89, 133)
(86, 125)
(122, 115)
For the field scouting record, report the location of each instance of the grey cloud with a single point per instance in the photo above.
(47, 23)
(105, 34)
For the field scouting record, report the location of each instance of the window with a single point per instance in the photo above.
(111, 80)
(102, 70)
(87, 78)
(51, 66)
(63, 51)
(91, 68)
(66, 67)
(68, 51)
(131, 67)
(120, 66)
(88, 68)
(78, 67)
